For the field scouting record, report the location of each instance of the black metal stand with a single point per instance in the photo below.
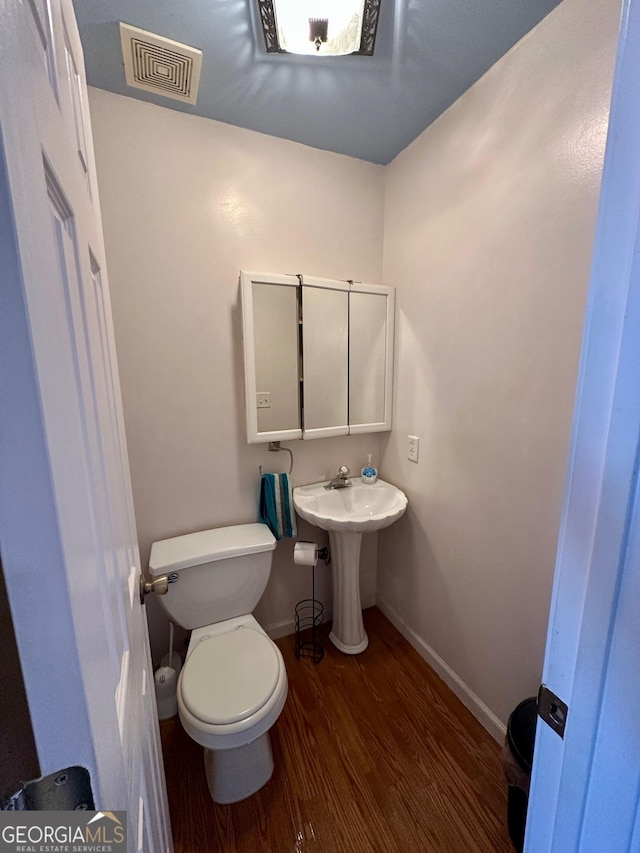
(309, 618)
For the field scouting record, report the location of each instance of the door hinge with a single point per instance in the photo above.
(552, 710)
(66, 790)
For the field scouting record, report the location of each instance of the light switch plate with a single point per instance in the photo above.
(263, 399)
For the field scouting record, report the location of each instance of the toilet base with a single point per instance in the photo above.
(235, 774)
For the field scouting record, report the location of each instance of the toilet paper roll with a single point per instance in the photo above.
(305, 553)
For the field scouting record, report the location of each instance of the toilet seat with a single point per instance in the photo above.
(223, 736)
(229, 677)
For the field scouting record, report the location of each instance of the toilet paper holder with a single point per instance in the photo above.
(323, 554)
(309, 615)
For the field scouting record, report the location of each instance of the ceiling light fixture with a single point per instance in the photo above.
(320, 27)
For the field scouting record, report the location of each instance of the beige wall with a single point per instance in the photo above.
(489, 221)
(186, 203)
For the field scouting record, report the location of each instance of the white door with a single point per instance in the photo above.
(585, 790)
(67, 531)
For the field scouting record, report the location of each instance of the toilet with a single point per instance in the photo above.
(233, 684)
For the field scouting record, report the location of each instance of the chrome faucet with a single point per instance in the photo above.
(340, 481)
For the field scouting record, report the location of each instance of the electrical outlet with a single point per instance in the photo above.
(413, 448)
(263, 400)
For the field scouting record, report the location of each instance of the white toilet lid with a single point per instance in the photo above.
(228, 677)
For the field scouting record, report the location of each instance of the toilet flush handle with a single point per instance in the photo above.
(159, 585)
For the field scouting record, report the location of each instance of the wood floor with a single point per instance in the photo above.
(372, 753)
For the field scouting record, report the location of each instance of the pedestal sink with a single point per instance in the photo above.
(346, 514)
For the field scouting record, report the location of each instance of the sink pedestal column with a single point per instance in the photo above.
(347, 632)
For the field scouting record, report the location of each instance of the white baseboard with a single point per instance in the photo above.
(486, 717)
(288, 626)
(281, 629)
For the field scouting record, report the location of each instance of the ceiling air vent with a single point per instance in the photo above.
(157, 64)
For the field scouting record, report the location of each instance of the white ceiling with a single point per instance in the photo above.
(428, 52)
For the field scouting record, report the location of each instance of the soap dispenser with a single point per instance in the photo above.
(369, 473)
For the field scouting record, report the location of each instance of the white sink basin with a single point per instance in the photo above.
(359, 508)
(347, 514)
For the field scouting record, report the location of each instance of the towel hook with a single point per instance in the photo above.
(275, 446)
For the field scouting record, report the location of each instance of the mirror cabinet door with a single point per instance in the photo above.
(325, 336)
(340, 382)
(270, 312)
(371, 327)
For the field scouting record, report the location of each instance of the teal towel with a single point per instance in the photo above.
(276, 505)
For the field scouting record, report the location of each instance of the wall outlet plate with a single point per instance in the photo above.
(413, 448)
(263, 399)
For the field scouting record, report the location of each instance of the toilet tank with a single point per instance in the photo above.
(220, 573)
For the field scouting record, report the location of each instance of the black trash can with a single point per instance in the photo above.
(517, 761)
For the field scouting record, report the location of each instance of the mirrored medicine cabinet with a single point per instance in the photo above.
(318, 356)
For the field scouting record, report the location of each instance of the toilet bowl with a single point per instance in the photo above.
(231, 690)
(233, 684)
